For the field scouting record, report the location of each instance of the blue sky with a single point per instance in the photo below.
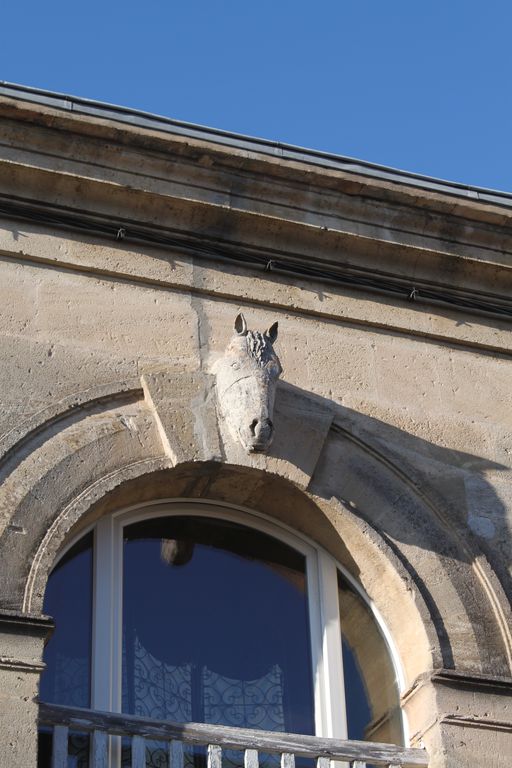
(421, 85)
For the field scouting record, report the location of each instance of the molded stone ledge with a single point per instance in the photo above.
(471, 723)
(21, 640)
(19, 623)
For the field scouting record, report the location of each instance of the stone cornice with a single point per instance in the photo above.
(460, 679)
(80, 171)
(181, 269)
(88, 117)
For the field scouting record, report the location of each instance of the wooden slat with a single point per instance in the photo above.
(176, 754)
(99, 749)
(323, 762)
(234, 738)
(214, 756)
(251, 759)
(358, 764)
(138, 752)
(60, 746)
(287, 760)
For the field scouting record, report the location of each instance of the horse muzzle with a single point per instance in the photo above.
(257, 435)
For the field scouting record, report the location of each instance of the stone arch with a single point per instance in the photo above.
(153, 480)
(279, 499)
(162, 439)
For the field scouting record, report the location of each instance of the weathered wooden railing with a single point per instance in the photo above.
(101, 725)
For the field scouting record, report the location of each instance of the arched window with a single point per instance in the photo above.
(192, 612)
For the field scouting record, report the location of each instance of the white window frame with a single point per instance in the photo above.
(323, 606)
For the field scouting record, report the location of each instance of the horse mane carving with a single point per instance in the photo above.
(246, 382)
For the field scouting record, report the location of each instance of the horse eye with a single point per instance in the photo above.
(235, 366)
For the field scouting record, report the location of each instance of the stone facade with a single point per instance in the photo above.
(126, 252)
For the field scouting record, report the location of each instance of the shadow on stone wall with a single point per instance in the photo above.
(418, 496)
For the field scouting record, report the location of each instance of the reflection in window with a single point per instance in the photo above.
(215, 626)
(371, 688)
(215, 629)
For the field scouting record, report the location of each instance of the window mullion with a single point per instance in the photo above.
(315, 628)
(335, 720)
(103, 616)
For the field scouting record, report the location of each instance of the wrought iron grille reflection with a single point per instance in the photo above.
(163, 691)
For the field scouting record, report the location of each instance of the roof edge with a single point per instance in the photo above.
(285, 152)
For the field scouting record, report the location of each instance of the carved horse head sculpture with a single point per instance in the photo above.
(246, 383)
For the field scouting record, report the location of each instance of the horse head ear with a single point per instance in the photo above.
(271, 333)
(240, 325)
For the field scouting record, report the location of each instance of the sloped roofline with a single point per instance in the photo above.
(285, 152)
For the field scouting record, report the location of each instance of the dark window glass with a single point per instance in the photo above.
(78, 749)
(67, 677)
(371, 688)
(215, 626)
(68, 600)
